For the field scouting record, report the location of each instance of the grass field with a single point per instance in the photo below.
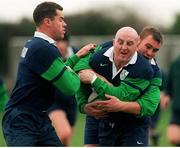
(78, 133)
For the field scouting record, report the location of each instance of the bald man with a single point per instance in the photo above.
(130, 74)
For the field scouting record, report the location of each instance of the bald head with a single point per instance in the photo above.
(127, 32)
(125, 45)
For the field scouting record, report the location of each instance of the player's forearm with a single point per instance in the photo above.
(69, 83)
(82, 64)
(123, 92)
(131, 107)
(62, 77)
(72, 61)
(82, 96)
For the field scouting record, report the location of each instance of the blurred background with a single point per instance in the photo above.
(90, 21)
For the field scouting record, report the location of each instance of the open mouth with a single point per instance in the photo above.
(123, 53)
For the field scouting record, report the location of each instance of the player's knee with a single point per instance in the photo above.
(66, 136)
(173, 140)
(173, 135)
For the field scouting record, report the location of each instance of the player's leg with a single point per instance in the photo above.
(173, 130)
(136, 136)
(19, 129)
(91, 132)
(61, 126)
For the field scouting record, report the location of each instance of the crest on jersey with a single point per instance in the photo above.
(123, 74)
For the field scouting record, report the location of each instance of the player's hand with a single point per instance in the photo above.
(86, 76)
(93, 110)
(113, 104)
(85, 50)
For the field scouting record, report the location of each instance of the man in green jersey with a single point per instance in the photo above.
(143, 106)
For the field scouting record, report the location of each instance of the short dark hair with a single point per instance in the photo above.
(155, 32)
(45, 10)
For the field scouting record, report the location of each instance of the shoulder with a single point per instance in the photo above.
(154, 64)
(107, 44)
(141, 69)
(40, 47)
(98, 56)
(102, 49)
(156, 69)
(38, 43)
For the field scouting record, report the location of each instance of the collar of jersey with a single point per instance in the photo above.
(109, 54)
(45, 37)
(152, 61)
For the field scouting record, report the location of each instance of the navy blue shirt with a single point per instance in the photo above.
(31, 92)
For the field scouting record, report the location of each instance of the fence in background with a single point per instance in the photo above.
(169, 51)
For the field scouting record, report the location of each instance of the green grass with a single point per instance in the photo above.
(162, 127)
(2, 142)
(77, 139)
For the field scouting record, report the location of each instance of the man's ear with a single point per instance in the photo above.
(47, 21)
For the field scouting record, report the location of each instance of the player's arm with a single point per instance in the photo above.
(150, 100)
(72, 61)
(83, 63)
(146, 104)
(82, 96)
(113, 104)
(46, 63)
(86, 107)
(128, 90)
(143, 106)
(62, 77)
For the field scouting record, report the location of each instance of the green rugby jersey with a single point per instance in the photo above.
(129, 89)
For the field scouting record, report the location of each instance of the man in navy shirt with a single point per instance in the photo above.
(40, 71)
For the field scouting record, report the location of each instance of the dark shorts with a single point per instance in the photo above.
(66, 103)
(71, 113)
(112, 134)
(91, 130)
(25, 129)
(175, 117)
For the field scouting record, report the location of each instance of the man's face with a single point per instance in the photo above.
(125, 45)
(58, 25)
(149, 47)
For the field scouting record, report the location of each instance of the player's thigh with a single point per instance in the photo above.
(19, 130)
(106, 132)
(49, 138)
(136, 137)
(91, 131)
